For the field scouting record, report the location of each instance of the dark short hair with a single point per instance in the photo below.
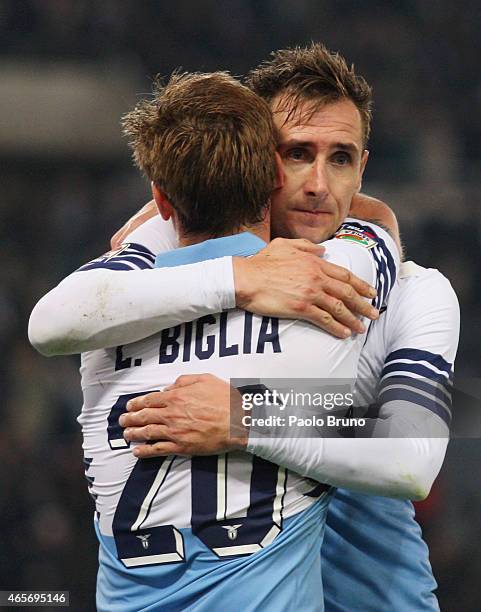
(208, 142)
(315, 74)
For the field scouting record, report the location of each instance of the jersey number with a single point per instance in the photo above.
(226, 537)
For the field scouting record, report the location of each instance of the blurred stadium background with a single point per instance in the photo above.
(69, 69)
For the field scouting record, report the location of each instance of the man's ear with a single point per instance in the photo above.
(364, 158)
(279, 172)
(164, 206)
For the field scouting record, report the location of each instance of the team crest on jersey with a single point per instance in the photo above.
(359, 236)
(111, 254)
(232, 531)
(145, 540)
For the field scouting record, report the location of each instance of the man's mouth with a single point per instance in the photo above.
(313, 213)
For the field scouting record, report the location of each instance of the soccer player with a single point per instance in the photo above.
(229, 530)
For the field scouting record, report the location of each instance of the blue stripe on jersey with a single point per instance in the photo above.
(440, 392)
(142, 249)
(123, 263)
(384, 262)
(111, 265)
(138, 249)
(420, 377)
(128, 257)
(387, 274)
(382, 283)
(411, 396)
(134, 259)
(405, 369)
(419, 355)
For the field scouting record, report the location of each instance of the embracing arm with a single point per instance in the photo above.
(102, 306)
(405, 441)
(392, 467)
(120, 298)
(95, 309)
(202, 414)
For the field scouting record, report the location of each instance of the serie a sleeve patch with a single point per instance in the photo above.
(362, 237)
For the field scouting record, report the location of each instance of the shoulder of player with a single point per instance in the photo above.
(429, 283)
(423, 311)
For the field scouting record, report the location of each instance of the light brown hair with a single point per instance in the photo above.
(315, 74)
(208, 143)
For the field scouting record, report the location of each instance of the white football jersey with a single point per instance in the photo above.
(217, 495)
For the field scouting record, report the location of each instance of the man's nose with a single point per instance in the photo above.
(316, 184)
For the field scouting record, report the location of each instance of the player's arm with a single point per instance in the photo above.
(410, 428)
(392, 467)
(100, 306)
(325, 294)
(120, 297)
(265, 293)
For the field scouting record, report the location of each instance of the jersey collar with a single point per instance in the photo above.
(243, 245)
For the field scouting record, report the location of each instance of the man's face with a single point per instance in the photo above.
(323, 161)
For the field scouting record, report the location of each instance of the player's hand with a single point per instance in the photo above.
(197, 415)
(145, 213)
(289, 279)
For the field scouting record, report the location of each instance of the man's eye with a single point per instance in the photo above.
(341, 158)
(297, 154)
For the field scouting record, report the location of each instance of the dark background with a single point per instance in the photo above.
(68, 70)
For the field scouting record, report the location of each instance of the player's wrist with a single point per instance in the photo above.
(238, 442)
(243, 282)
(238, 426)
